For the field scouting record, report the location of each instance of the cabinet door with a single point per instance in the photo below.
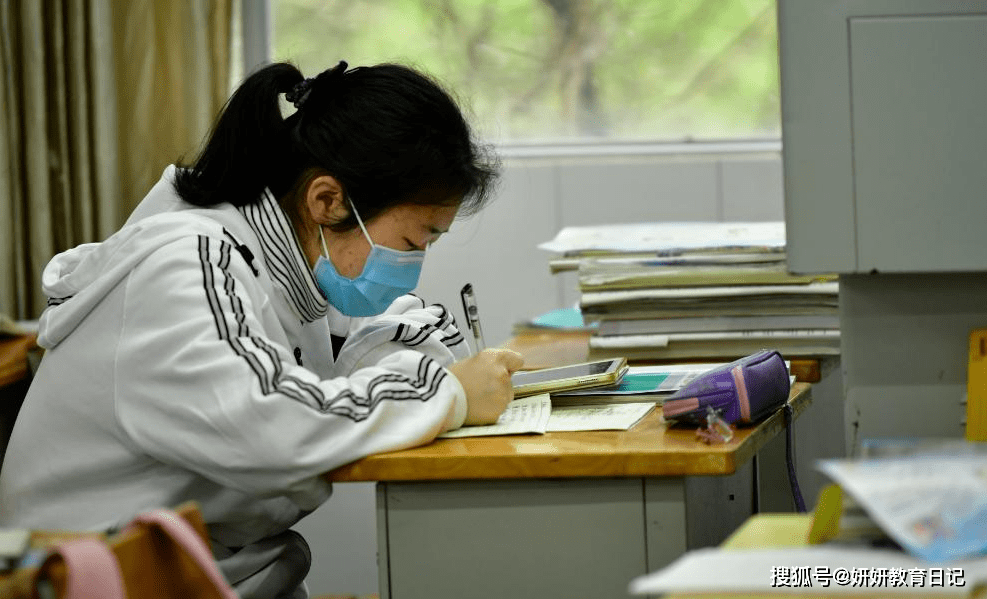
(884, 134)
(919, 106)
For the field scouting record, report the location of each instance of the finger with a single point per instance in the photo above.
(511, 360)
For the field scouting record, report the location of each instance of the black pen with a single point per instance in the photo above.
(472, 315)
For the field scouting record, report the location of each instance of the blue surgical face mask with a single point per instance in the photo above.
(387, 275)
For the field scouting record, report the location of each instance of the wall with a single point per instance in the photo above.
(496, 251)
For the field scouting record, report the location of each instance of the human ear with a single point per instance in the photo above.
(325, 201)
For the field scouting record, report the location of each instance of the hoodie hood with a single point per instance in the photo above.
(75, 281)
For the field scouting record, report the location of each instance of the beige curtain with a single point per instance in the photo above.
(96, 98)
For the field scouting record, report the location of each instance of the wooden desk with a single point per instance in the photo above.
(825, 436)
(650, 448)
(556, 515)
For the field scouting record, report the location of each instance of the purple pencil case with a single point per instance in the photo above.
(741, 392)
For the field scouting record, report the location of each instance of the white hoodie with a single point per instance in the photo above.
(188, 358)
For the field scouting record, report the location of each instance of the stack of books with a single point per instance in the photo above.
(696, 290)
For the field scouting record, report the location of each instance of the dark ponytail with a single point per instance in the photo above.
(388, 133)
(235, 165)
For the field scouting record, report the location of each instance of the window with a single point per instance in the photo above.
(549, 71)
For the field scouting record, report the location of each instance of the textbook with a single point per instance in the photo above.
(691, 258)
(810, 342)
(811, 298)
(715, 323)
(597, 276)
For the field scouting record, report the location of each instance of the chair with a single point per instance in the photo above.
(152, 564)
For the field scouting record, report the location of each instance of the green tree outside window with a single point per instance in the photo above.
(564, 70)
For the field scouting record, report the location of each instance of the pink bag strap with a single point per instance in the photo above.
(91, 569)
(182, 533)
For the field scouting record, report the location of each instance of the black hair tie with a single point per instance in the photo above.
(299, 93)
(339, 70)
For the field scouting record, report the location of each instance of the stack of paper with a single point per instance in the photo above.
(671, 243)
(696, 290)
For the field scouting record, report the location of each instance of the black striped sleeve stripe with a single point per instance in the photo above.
(260, 356)
(208, 281)
(446, 320)
(219, 315)
(407, 334)
(414, 336)
(420, 336)
(310, 389)
(55, 301)
(392, 387)
(264, 362)
(230, 289)
(454, 339)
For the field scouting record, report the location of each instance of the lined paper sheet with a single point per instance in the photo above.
(522, 416)
(535, 415)
(599, 417)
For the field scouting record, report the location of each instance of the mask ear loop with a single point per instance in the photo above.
(360, 222)
(325, 250)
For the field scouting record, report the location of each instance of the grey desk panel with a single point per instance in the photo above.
(665, 510)
(717, 505)
(518, 539)
(548, 538)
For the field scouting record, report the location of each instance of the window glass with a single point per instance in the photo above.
(546, 71)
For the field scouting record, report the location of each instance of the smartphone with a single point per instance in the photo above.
(568, 378)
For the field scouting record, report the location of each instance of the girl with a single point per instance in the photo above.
(250, 328)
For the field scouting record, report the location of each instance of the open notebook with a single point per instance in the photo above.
(536, 415)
